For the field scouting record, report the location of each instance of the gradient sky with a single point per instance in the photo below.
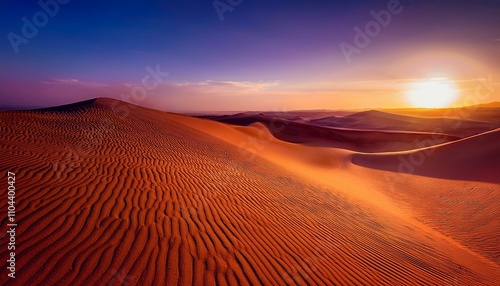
(263, 54)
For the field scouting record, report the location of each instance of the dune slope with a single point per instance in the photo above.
(475, 158)
(454, 187)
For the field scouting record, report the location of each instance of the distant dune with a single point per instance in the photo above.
(479, 113)
(452, 122)
(377, 120)
(361, 139)
(114, 194)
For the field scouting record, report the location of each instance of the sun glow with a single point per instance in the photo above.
(434, 93)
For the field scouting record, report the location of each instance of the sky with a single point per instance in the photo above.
(238, 55)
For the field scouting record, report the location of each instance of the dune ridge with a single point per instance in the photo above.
(110, 193)
(361, 140)
(379, 120)
(473, 158)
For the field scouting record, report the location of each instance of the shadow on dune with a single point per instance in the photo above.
(360, 140)
(476, 158)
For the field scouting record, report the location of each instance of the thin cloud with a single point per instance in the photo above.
(230, 84)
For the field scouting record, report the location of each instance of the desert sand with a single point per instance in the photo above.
(109, 193)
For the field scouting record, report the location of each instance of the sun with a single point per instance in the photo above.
(433, 93)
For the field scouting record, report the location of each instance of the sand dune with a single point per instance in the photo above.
(378, 120)
(455, 187)
(475, 158)
(457, 122)
(294, 115)
(479, 113)
(113, 194)
(361, 140)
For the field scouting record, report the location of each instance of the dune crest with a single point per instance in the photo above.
(474, 158)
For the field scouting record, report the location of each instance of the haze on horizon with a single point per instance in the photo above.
(249, 54)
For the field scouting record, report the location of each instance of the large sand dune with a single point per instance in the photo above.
(454, 186)
(110, 194)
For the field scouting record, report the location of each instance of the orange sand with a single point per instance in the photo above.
(142, 197)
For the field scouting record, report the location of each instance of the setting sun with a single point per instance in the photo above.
(433, 93)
